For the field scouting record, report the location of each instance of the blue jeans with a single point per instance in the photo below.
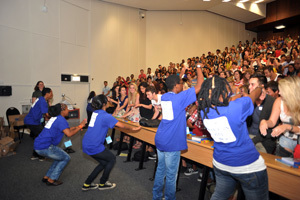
(167, 167)
(254, 185)
(60, 157)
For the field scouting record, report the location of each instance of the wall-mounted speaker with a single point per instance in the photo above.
(5, 91)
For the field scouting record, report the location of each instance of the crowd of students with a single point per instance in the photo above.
(249, 89)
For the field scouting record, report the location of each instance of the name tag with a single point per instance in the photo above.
(220, 129)
(260, 108)
(108, 140)
(68, 143)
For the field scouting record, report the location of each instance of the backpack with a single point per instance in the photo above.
(123, 148)
(138, 155)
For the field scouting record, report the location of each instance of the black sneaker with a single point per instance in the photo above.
(91, 186)
(190, 171)
(69, 150)
(41, 158)
(108, 185)
(152, 157)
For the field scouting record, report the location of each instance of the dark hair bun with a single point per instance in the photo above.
(98, 102)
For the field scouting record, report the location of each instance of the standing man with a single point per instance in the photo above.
(106, 89)
(170, 137)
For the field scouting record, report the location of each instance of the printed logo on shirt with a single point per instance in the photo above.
(50, 122)
(93, 119)
(35, 102)
(220, 129)
(167, 110)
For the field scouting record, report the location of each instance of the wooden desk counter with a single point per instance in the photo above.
(283, 180)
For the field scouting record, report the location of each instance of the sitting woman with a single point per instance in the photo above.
(146, 109)
(145, 106)
(286, 108)
(113, 100)
(132, 112)
(46, 143)
(93, 143)
(238, 78)
(122, 102)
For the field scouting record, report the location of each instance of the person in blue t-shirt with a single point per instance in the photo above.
(35, 118)
(235, 158)
(170, 137)
(46, 143)
(93, 143)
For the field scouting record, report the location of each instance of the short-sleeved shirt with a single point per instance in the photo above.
(233, 146)
(38, 108)
(94, 138)
(52, 133)
(37, 94)
(157, 103)
(144, 112)
(105, 90)
(171, 132)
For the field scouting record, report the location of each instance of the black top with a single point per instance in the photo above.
(144, 112)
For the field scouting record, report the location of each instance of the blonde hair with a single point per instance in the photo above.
(289, 90)
(132, 97)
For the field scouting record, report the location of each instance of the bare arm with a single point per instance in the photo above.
(73, 130)
(125, 126)
(200, 79)
(271, 122)
(156, 112)
(255, 94)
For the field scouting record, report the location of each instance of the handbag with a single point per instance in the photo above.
(149, 122)
(297, 149)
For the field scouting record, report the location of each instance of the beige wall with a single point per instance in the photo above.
(71, 38)
(117, 43)
(101, 40)
(174, 35)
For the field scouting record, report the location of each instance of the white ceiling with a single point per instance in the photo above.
(229, 10)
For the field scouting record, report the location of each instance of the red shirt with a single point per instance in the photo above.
(142, 75)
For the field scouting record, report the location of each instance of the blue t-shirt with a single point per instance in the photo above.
(171, 132)
(233, 146)
(38, 108)
(94, 138)
(52, 133)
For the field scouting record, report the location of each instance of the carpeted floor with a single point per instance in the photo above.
(20, 178)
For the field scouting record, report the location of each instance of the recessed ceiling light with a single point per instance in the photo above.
(280, 27)
(258, 1)
(243, 1)
(226, 0)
